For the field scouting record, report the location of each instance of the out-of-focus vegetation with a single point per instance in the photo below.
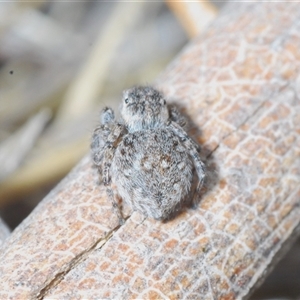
(61, 62)
(70, 58)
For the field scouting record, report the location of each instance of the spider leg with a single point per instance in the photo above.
(193, 150)
(105, 140)
(107, 116)
(106, 135)
(176, 116)
(112, 142)
(101, 134)
(112, 197)
(108, 155)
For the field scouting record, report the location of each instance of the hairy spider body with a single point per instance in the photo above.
(156, 171)
(147, 157)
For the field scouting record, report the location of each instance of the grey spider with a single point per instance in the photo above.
(146, 158)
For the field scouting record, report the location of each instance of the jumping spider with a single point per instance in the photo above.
(146, 158)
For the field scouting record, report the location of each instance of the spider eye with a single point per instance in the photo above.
(126, 100)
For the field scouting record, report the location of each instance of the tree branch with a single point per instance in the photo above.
(239, 83)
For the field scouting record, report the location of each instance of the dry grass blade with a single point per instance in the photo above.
(194, 16)
(37, 64)
(16, 147)
(42, 170)
(82, 95)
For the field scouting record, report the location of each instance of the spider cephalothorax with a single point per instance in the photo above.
(147, 157)
(144, 108)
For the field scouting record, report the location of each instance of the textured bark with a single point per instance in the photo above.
(240, 84)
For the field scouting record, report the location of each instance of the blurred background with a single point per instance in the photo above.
(60, 63)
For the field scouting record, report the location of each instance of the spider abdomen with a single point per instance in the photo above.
(152, 171)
